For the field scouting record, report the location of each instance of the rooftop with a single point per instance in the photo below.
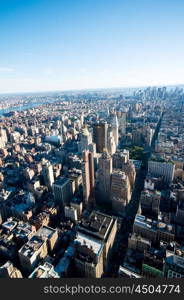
(31, 246)
(90, 243)
(153, 225)
(46, 232)
(97, 224)
(61, 181)
(45, 271)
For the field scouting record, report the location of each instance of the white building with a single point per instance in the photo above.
(71, 213)
(159, 169)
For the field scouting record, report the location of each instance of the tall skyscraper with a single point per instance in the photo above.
(122, 123)
(120, 158)
(121, 161)
(111, 145)
(100, 136)
(48, 175)
(103, 228)
(88, 176)
(104, 176)
(63, 191)
(120, 192)
(113, 121)
(85, 139)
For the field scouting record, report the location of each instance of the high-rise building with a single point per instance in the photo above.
(85, 139)
(88, 256)
(100, 136)
(120, 158)
(63, 191)
(111, 145)
(87, 176)
(150, 203)
(48, 175)
(103, 228)
(121, 161)
(71, 213)
(148, 135)
(164, 170)
(122, 123)
(120, 192)
(113, 121)
(104, 176)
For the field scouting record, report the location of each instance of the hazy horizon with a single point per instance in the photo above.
(78, 45)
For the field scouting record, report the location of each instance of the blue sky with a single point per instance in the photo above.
(78, 44)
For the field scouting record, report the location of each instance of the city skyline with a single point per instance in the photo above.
(74, 45)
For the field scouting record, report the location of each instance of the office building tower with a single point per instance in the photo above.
(48, 175)
(88, 256)
(63, 191)
(104, 176)
(111, 145)
(100, 136)
(85, 139)
(122, 123)
(120, 192)
(71, 213)
(121, 161)
(163, 170)
(87, 176)
(119, 158)
(92, 148)
(150, 203)
(103, 228)
(113, 121)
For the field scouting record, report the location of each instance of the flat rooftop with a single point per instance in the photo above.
(61, 181)
(152, 224)
(31, 246)
(46, 231)
(90, 242)
(45, 271)
(97, 224)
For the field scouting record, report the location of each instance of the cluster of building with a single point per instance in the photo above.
(67, 174)
(155, 246)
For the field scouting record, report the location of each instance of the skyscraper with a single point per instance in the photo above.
(85, 139)
(100, 136)
(113, 121)
(104, 176)
(63, 192)
(120, 192)
(122, 123)
(111, 145)
(121, 161)
(48, 175)
(87, 176)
